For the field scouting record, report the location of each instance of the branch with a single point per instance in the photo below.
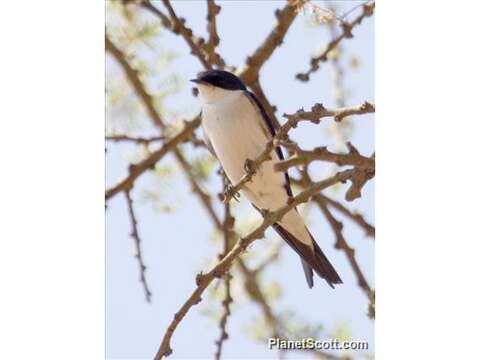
(177, 26)
(138, 251)
(213, 40)
(223, 320)
(357, 218)
(138, 140)
(367, 10)
(228, 236)
(303, 157)
(203, 280)
(132, 76)
(135, 170)
(318, 112)
(342, 245)
(202, 195)
(134, 79)
(163, 18)
(255, 293)
(285, 18)
(359, 179)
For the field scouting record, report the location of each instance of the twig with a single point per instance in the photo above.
(339, 90)
(163, 18)
(177, 26)
(359, 178)
(135, 170)
(134, 79)
(318, 111)
(315, 115)
(138, 251)
(357, 218)
(342, 245)
(148, 101)
(255, 293)
(303, 157)
(346, 33)
(138, 140)
(202, 195)
(228, 223)
(203, 280)
(213, 40)
(285, 18)
(223, 320)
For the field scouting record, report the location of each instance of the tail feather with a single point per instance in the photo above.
(315, 259)
(308, 273)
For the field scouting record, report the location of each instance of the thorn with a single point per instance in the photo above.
(249, 166)
(347, 29)
(352, 150)
(368, 9)
(302, 77)
(318, 108)
(199, 278)
(197, 301)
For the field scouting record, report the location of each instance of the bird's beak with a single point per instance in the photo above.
(197, 81)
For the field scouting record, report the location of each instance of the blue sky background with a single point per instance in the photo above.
(178, 245)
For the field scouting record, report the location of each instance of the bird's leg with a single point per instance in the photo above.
(229, 191)
(250, 167)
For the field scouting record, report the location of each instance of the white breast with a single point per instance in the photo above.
(232, 124)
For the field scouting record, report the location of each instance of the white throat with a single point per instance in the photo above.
(210, 95)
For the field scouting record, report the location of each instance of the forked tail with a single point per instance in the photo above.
(315, 259)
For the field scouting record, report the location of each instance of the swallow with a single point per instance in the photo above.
(236, 129)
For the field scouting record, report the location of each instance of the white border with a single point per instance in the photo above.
(52, 121)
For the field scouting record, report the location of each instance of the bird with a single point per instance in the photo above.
(237, 129)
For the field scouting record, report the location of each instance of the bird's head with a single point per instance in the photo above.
(214, 85)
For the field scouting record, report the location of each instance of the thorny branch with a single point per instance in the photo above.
(317, 112)
(179, 27)
(135, 170)
(203, 280)
(138, 140)
(134, 79)
(367, 10)
(357, 218)
(138, 251)
(203, 51)
(250, 75)
(341, 244)
(212, 11)
(223, 320)
(257, 296)
(228, 235)
(304, 157)
(285, 18)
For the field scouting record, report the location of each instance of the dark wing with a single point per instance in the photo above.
(271, 128)
(315, 259)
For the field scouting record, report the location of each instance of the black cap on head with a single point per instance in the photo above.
(221, 79)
